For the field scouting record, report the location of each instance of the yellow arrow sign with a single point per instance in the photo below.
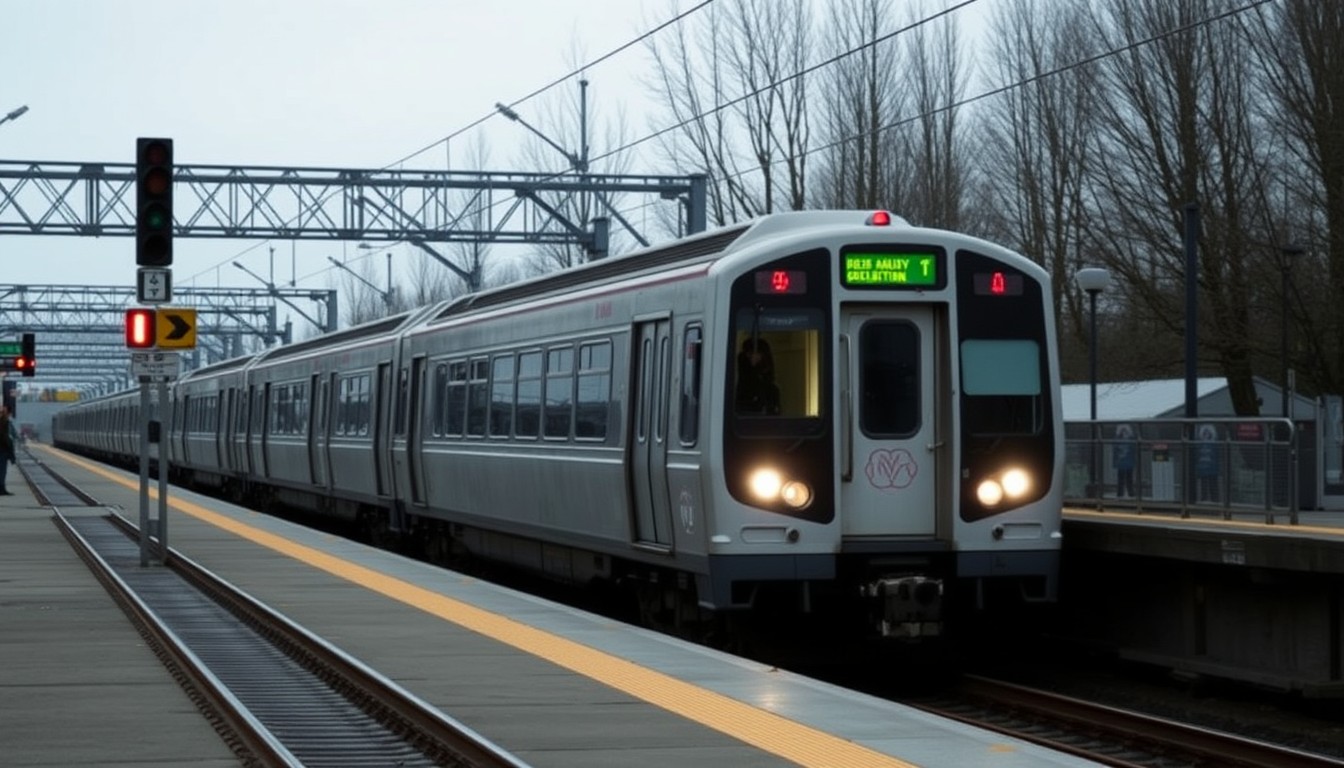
(176, 328)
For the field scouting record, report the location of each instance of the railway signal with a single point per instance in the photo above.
(26, 362)
(154, 202)
(141, 328)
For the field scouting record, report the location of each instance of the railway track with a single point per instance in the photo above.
(1108, 735)
(277, 694)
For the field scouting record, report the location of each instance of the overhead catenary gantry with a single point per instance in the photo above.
(417, 206)
(80, 328)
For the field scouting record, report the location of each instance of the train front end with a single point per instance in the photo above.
(891, 426)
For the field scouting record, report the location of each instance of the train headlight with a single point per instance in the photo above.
(796, 494)
(989, 492)
(769, 485)
(766, 484)
(1016, 483)
(1011, 484)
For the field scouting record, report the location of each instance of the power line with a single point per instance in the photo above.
(939, 110)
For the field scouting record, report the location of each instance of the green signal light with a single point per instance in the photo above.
(157, 218)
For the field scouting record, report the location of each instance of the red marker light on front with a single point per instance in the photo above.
(779, 281)
(997, 285)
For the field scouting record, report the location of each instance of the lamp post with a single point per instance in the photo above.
(389, 294)
(386, 295)
(1093, 280)
(1290, 252)
(14, 115)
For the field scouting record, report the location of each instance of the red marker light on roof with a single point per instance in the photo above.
(879, 219)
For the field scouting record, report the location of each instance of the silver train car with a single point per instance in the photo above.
(827, 412)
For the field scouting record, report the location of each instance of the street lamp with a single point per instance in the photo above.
(389, 294)
(386, 295)
(1093, 280)
(15, 114)
(1290, 253)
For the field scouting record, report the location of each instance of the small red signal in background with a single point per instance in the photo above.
(140, 328)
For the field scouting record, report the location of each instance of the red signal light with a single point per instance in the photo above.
(140, 328)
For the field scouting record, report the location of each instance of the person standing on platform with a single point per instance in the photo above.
(1122, 457)
(7, 434)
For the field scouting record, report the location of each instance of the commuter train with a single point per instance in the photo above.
(823, 412)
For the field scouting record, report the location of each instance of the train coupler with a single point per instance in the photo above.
(908, 607)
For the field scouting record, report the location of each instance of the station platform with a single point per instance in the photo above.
(1237, 596)
(555, 686)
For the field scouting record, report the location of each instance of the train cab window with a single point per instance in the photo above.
(501, 396)
(689, 409)
(527, 417)
(594, 391)
(558, 399)
(478, 397)
(888, 391)
(455, 418)
(1001, 381)
(778, 363)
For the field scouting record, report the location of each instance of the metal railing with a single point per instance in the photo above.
(1208, 466)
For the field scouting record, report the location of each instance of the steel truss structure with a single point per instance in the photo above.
(425, 206)
(80, 329)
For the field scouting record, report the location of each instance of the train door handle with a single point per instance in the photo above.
(934, 446)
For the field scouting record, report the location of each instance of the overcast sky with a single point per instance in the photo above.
(318, 83)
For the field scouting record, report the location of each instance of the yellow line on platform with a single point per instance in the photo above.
(765, 730)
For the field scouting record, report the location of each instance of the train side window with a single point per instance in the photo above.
(440, 389)
(501, 396)
(342, 405)
(365, 409)
(456, 399)
(690, 386)
(527, 417)
(478, 397)
(594, 391)
(558, 400)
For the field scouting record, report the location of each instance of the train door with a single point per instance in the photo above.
(261, 422)
(652, 357)
(889, 430)
(318, 457)
(226, 431)
(381, 471)
(414, 443)
(252, 436)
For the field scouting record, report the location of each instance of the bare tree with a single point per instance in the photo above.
(1301, 46)
(858, 94)
(934, 150)
(732, 85)
(1177, 128)
(1038, 144)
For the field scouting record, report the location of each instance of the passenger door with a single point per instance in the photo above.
(890, 438)
(318, 455)
(652, 356)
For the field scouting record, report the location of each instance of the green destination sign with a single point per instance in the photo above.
(10, 349)
(889, 270)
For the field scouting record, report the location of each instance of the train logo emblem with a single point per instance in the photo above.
(891, 470)
(686, 506)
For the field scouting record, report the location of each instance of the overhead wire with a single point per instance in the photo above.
(493, 113)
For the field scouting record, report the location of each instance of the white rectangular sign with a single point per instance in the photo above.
(156, 365)
(153, 285)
